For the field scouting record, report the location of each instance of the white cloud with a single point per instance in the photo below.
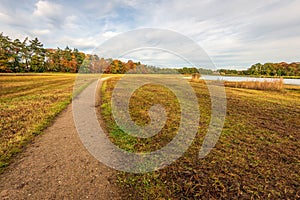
(109, 34)
(71, 22)
(41, 31)
(235, 33)
(4, 17)
(51, 15)
(47, 9)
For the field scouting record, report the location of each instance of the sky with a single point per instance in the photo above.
(234, 33)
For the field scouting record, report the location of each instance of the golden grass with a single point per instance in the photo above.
(256, 157)
(28, 104)
(276, 84)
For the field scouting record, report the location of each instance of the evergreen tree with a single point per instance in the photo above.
(37, 55)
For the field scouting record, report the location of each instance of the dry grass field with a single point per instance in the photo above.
(256, 157)
(28, 103)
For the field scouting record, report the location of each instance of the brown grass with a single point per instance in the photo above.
(256, 157)
(276, 84)
(28, 103)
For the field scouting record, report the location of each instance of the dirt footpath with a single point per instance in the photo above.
(57, 166)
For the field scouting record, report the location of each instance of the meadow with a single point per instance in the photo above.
(256, 157)
(28, 104)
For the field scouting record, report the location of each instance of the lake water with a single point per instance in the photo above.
(243, 78)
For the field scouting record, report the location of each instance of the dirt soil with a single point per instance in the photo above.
(56, 165)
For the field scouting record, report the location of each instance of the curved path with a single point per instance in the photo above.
(57, 166)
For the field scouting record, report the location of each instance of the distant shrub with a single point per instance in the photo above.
(195, 76)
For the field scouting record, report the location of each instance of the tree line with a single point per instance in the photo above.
(267, 69)
(30, 56)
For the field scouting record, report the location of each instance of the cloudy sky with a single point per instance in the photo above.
(234, 33)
